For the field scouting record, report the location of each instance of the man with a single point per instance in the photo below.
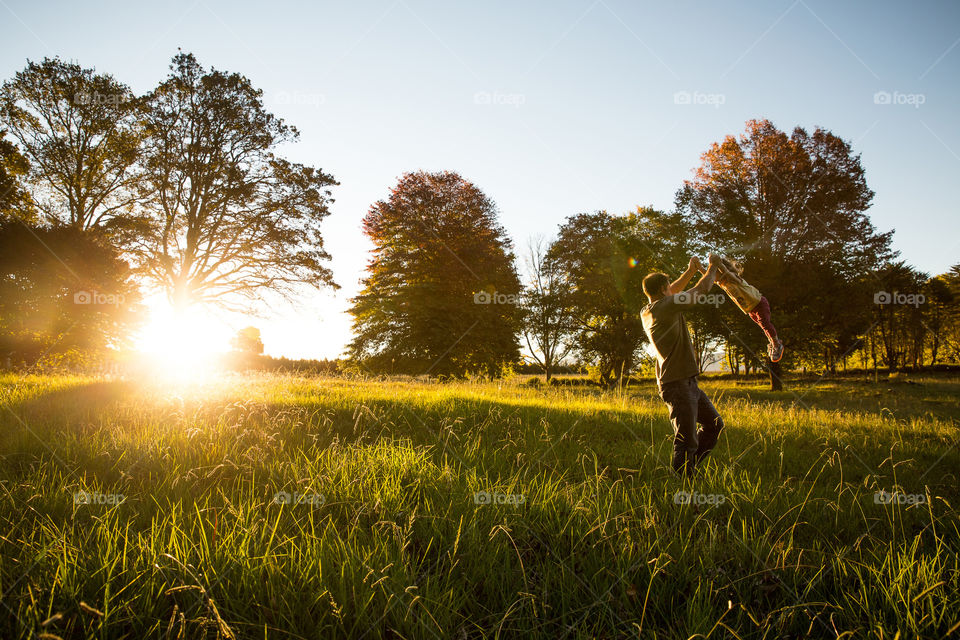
(677, 367)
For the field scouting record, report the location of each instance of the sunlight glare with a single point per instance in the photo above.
(182, 345)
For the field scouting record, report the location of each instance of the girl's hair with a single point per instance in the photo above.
(731, 265)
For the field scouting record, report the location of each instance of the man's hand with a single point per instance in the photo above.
(709, 276)
(680, 283)
(695, 264)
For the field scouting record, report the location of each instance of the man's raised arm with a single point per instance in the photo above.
(706, 282)
(678, 285)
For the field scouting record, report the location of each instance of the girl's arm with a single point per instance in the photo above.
(722, 274)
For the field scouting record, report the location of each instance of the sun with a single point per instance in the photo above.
(181, 344)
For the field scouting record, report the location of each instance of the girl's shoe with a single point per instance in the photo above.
(775, 351)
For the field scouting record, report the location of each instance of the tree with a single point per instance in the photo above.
(81, 132)
(704, 336)
(247, 341)
(792, 208)
(940, 304)
(604, 258)
(15, 201)
(951, 332)
(590, 252)
(548, 305)
(898, 319)
(228, 219)
(62, 289)
(441, 293)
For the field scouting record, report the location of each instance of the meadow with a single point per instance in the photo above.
(270, 506)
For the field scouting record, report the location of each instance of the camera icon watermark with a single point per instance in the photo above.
(715, 100)
(692, 497)
(896, 497)
(515, 100)
(97, 298)
(93, 497)
(897, 98)
(694, 297)
(310, 499)
(912, 299)
(494, 297)
(487, 497)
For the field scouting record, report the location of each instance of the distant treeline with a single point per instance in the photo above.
(237, 361)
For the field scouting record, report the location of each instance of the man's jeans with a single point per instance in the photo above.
(688, 405)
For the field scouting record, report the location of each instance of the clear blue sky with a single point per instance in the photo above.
(552, 108)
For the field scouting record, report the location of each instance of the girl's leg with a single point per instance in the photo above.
(761, 315)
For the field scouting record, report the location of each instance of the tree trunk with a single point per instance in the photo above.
(776, 379)
(733, 360)
(605, 376)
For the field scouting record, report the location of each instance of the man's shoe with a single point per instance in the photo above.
(775, 351)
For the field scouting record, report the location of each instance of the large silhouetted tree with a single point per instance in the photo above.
(793, 209)
(441, 294)
(80, 131)
(228, 219)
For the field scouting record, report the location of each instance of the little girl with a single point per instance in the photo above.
(750, 300)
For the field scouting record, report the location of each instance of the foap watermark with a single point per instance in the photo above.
(492, 497)
(299, 98)
(312, 499)
(886, 297)
(97, 298)
(692, 497)
(897, 497)
(93, 497)
(495, 297)
(897, 98)
(714, 100)
(100, 98)
(694, 297)
(515, 100)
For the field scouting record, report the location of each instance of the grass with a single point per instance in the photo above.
(583, 536)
